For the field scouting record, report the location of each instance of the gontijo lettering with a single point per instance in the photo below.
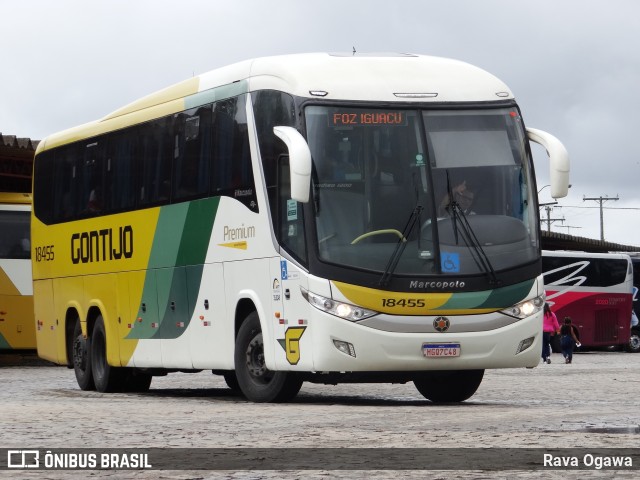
(102, 245)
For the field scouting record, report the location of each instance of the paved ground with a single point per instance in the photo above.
(591, 403)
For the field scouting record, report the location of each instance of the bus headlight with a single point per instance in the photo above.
(526, 308)
(339, 309)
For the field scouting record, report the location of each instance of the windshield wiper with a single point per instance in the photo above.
(472, 242)
(400, 246)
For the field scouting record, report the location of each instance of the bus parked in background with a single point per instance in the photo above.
(634, 340)
(17, 324)
(595, 290)
(277, 221)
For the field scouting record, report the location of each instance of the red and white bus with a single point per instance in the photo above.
(595, 290)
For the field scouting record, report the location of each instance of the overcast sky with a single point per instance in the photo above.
(573, 65)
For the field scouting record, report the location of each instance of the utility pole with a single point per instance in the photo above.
(601, 200)
(548, 208)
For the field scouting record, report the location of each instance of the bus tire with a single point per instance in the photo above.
(105, 377)
(633, 346)
(82, 359)
(256, 382)
(449, 386)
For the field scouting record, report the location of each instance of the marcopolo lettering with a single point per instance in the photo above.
(102, 245)
(438, 284)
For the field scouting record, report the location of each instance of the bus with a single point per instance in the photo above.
(595, 290)
(275, 221)
(634, 339)
(17, 324)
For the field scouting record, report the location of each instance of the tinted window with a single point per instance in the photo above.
(192, 153)
(599, 272)
(156, 142)
(232, 173)
(200, 152)
(14, 241)
(271, 109)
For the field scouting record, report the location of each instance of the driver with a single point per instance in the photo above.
(463, 194)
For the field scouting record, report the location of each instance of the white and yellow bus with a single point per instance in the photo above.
(278, 221)
(17, 325)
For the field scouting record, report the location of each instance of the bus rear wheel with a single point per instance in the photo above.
(256, 382)
(634, 342)
(105, 377)
(82, 359)
(448, 386)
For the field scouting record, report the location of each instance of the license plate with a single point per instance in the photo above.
(441, 350)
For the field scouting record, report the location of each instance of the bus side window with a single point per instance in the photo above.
(120, 171)
(43, 186)
(66, 184)
(291, 219)
(192, 153)
(232, 171)
(154, 172)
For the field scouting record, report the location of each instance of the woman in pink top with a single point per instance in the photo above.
(550, 327)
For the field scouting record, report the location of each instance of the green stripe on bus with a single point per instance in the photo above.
(179, 251)
(197, 231)
(214, 94)
(507, 296)
(494, 299)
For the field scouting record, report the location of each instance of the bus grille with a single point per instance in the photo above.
(606, 326)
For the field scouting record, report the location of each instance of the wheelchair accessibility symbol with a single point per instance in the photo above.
(450, 262)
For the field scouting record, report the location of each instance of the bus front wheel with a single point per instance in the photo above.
(82, 359)
(256, 382)
(105, 377)
(448, 386)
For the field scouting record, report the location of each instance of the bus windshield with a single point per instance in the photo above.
(451, 188)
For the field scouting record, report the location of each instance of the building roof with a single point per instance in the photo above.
(11, 141)
(16, 163)
(561, 241)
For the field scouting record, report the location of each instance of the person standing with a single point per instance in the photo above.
(550, 326)
(568, 340)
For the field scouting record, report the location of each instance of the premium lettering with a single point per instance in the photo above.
(102, 245)
(238, 233)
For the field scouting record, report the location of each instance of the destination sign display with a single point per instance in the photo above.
(367, 118)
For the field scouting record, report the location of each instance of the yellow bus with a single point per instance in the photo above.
(17, 324)
(296, 218)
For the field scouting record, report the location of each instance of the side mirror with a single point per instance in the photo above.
(299, 162)
(559, 159)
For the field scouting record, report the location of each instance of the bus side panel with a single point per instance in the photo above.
(251, 279)
(602, 318)
(68, 294)
(126, 319)
(46, 321)
(100, 292)
(144, 302)
(17, 326)
(294, 338)
(211, 333)
(173, 309)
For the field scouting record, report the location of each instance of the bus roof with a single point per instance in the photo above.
(392, 78)
(581, 254)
